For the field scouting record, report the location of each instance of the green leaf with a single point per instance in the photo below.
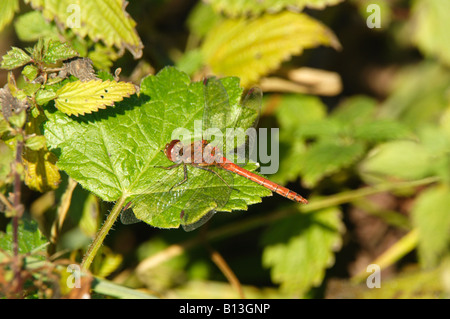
(298, 249)
(35, 142)
(57, 51)
(311, 109)
(190, 62)
(201, 19)
(116, 152)
(327, 157)
(30, 72)
(250, 49)
(431, 216)
(356, 110)
(380, 130)
(30, 237)
(14, 58)
(31, 26)
(418, 100)
(85, 97)
(8, 8)
(246, 7)
(292, 141)
(430, 25)
(44, 96)
(18, 119)
(99, 19)
(405, 160)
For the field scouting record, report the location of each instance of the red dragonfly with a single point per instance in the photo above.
(207, 156)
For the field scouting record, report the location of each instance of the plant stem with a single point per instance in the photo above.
(405, 245)
(220, 262)
(18, 211)
(350, 196)
(100, 236)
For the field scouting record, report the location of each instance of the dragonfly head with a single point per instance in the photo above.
(172, 151)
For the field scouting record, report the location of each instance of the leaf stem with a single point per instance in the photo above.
(100, 236)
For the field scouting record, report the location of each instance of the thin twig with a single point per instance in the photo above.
(220, 262)
(18, 211)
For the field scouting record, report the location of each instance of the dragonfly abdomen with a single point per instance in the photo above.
(274, 187)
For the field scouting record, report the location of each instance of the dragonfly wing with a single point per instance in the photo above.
(249, 110)
(217, 190)
(217, 112)
(127, 217)
(244, 127)
(203, 220)
(198, 195)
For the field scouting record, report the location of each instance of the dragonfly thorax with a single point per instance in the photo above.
(198, 152)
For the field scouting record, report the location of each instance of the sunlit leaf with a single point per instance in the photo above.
(245, 7)
(86, 97)
(8, 9)
(299, 249)
(35, 143)
(14, 58)
(99, 19)
(431, 216)
(430, 25)
(31, 26)
(41, 171)
(251, 48)
(401, 160)
(327, 157)
(117, 151)
(57, 51)
(417, 100)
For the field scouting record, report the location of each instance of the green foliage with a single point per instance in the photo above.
(31, 239)
(15, 58)
(373, 161)
(431, 217)
(9, 7)
(298, 249)
(430, 18)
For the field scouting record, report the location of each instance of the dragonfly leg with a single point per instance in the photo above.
(168, 167)
(210, 170)
(185, 176)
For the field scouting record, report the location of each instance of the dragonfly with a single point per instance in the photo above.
(211, 157)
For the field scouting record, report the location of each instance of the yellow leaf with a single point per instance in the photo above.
(41, 172)
(236, 8)
(84, 97)
(106, 20)
(251, 48)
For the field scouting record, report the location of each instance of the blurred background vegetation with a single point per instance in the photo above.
(364, 118)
